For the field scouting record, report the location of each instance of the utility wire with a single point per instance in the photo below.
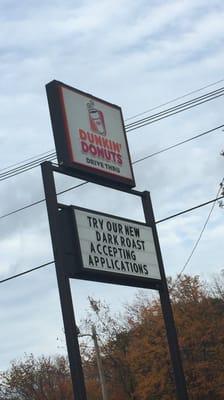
(175, 99)
(52, 157)
(135, 162)
(178, 144)
(169, 115)
(182, 106)
(22, 208)
(46, 153)
(201, 233)
(129, 127)
(26, 272)
(26, 167)
(40, 201)
(189, 209)
(157, 222)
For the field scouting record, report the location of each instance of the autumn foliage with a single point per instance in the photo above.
(136, 356)
(43, 378)
(135, 353)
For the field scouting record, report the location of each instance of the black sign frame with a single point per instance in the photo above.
(62, 138)
(60, 234)
(74, 266)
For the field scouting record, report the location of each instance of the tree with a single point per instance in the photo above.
(136, 356)
(200, 321)
(44, 378)
(218, 286)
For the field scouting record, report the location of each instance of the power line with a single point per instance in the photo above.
(135, 162)
(22, 208)
(194, 102)
(189, 209)
(52, 157)
(26, 167)
(40, 201)
(170, 114)
(129, 127)
(178, 144)
(26, 272)
(200, 235)
(157, 222)
(27, 159)
(175, 99)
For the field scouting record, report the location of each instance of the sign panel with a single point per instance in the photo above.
(89, 134)
(114, 245)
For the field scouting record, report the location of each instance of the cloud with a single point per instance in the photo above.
(133, 54)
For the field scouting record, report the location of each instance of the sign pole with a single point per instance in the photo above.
(92, 145)
(181, 389)
(63, 285)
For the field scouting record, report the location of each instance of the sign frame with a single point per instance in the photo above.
(59, 233)
(74, 267)
(62, 138)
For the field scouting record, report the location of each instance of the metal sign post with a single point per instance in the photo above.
(180, 382)
(65, 239)
(63, 284)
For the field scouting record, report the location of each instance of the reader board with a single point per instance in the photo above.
(118, 250)
(89, 135)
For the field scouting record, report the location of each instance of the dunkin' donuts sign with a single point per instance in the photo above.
(89, 134)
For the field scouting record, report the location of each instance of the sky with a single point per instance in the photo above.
(138, 55)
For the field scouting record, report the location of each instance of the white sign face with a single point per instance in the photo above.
(95, 134)
(116, 245)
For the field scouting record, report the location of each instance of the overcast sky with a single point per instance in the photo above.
(134, 54)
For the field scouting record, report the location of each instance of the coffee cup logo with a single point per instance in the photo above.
(96, 119)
